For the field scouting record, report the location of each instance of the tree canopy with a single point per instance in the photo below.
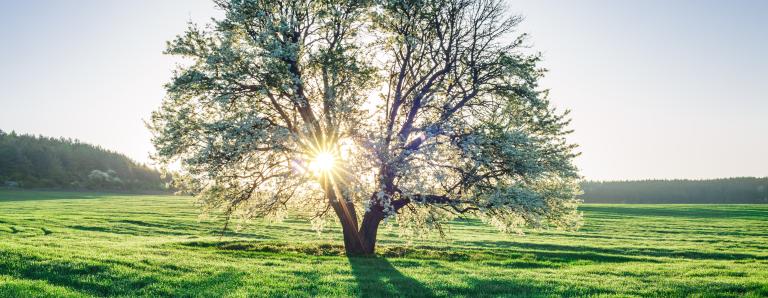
(741, 190)
(415, 111)
(41, 162)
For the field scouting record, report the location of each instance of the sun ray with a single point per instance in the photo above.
(322, 162)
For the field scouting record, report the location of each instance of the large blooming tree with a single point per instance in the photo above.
(417, 111)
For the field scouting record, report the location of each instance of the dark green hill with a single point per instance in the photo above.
(28, 161)
(742, 190)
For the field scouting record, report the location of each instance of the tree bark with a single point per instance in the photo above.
(362, 241)
(353, 244)
(358, 240)
(369, 229)
(345, 211)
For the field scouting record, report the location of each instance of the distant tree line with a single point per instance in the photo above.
(714, 191)
(28, 161)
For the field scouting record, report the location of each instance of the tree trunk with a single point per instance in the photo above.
(352, 242)
(362, 242)
(345, 211)
(353, 245)
(358, 241)
(369, 229)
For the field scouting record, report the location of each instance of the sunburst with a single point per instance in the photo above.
(322, 162)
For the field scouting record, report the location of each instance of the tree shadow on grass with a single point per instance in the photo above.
(376, 277)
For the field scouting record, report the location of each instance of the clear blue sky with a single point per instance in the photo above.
(658, 89)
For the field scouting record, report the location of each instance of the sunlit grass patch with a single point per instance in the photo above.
(103, 245)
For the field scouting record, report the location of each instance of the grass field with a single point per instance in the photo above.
(70, 244)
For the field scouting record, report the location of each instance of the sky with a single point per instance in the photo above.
(657, 89)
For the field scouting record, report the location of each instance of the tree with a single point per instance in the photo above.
(418, 111)
(42, 162)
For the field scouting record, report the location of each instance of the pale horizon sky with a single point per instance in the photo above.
(657, 89)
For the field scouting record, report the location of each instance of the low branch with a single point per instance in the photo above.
(455, 204)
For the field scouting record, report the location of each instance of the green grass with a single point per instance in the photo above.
(73, 245)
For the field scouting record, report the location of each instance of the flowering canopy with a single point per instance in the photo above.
(413, 110)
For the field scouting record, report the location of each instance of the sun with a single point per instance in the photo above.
(322, 162)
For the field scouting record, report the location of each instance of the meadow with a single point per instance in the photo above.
(58, 244)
